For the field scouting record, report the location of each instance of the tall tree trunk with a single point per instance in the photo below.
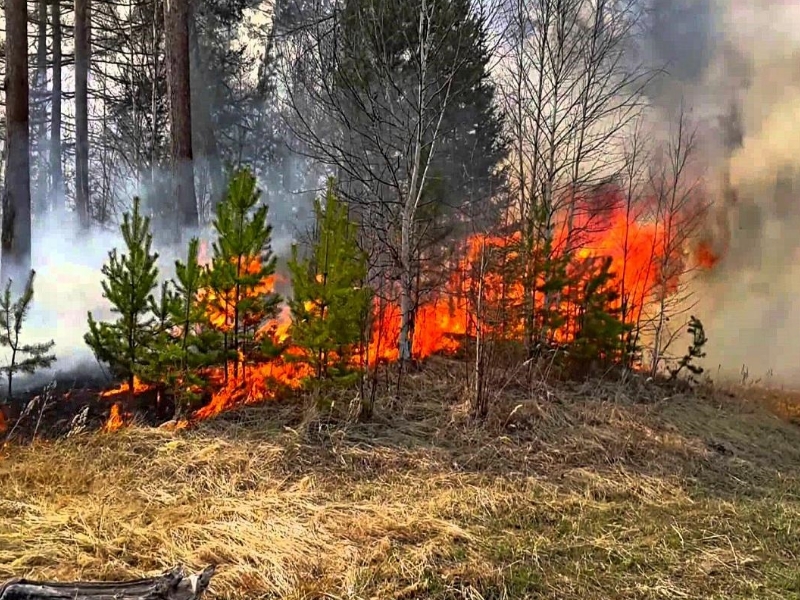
(40, 191)
(56, 169)
(82, 32)
(176, 26)
(156, 124)
(203, 131)
(16, 230)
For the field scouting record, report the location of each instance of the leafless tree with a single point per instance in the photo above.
(637, 254)
(570, 92)
(675, 180)
(378, 120)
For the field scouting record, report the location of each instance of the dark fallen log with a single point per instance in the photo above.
(173, 585)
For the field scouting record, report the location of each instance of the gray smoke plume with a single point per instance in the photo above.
(735, 62)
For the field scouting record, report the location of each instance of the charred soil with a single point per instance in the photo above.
(582, 491)
(71, 402)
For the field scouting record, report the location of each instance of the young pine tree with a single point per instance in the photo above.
(242, 268)
(600, 333)
(185, 342)
(543, 274)
(693, 352)
(330, 306)
(25, 358)
(128, 285)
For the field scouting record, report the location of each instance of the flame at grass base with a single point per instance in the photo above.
(257, 383)
(115, 420)
(643, 264)
(124, 388)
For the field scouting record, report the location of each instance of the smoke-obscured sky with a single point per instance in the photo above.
(737, 65)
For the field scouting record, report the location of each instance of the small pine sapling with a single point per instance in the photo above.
(128, 285)
(25, 358)
(185, 343)
(330, 305)
(600, 333)
(693, 352)
(152, 368)
(199, 344)
(550, 276)
(242, 269)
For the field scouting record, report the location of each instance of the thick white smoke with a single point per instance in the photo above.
(751, 302)
(67, 285)
(68, 265)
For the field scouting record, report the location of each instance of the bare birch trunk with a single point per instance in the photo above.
(406, 287)
(409, 207)
(480, 404)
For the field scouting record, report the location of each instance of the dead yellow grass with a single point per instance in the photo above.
(563, 494)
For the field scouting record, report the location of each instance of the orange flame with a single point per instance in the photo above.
(643, 264)
(115, 420)
(220, 304)
(259, 382)
(706, 258)
(636, 251)
(138, 388)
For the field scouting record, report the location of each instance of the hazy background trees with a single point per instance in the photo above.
(439, 119)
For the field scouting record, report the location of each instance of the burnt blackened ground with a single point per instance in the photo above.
(52, 405)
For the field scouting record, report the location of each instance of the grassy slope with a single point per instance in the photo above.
(574, 495)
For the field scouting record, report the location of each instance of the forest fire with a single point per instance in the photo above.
(641, 262)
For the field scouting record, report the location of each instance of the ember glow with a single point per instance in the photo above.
(705, 256)
(635, 246)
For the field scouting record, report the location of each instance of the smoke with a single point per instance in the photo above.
(67, 285)
(734, 62)
(68, 264)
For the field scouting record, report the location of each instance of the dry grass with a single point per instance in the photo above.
(565, 493)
